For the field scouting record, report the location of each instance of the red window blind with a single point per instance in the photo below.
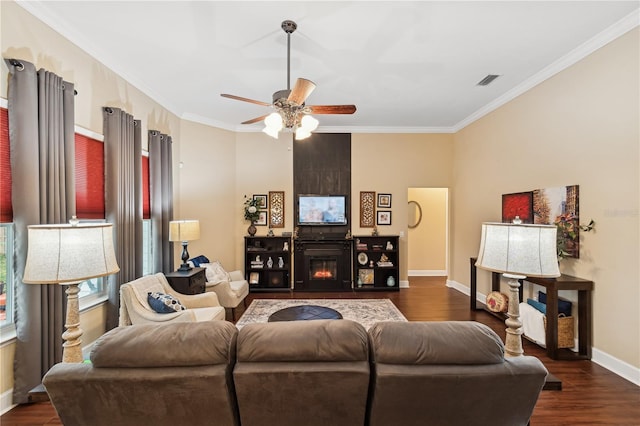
(89, 178)
(6, 210)
(146, 198)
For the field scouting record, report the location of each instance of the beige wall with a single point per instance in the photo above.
(392, 163)
(578, 128)
(427, 242)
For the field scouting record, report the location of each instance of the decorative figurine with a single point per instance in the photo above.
(348, 236)
(374, 233)
(389, 245)
(270, 233)
(285, 246)
(371, 264)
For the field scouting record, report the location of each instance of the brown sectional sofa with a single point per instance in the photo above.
(320, 372)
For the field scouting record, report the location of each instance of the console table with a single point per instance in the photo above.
(552, 285)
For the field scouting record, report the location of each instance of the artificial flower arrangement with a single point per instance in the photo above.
(251, 212)
(568, 227)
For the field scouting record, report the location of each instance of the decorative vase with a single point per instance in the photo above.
(270, 262)
(252, 229)
(391, 281)
(280, 262)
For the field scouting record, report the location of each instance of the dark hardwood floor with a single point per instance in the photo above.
(590, 395)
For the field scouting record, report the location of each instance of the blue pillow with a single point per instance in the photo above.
(538, 305)
(164, 303)
(564, 306)
(198, 260)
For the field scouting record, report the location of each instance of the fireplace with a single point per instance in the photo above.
(322, 265)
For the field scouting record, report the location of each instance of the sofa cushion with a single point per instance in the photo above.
(305, 341)
(166, 345)
(446, 342)
(215, 272)
(164, 303)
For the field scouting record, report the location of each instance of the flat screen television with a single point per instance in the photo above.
(322, 209)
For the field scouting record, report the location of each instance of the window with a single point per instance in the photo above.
(89, 168)
(147, 245)
(6, 227)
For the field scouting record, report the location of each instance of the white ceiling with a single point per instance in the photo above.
(407, 66)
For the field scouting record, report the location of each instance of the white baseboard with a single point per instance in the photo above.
(603, 359)
(6, 401)
(427, 273)
(404, 283)
(619, 367)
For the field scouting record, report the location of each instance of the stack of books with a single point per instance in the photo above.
(361, 246)
(257, 264)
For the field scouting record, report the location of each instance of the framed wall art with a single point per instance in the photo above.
(384, 201)
(367, 209)
(384, 217)
(262, 201)
(262, 218)
(276, 209)
(517, 204)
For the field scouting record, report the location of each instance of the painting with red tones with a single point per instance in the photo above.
(517, 204)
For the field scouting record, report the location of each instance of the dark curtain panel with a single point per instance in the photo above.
(161, 188)
(41, 133)
(123, 202)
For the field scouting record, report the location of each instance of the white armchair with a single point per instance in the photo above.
(230, 291)
(135, 309)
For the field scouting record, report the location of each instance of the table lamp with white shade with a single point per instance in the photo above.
(69, 254)
(184, 231)
(517, 251)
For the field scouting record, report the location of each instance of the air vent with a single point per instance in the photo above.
(487, 80)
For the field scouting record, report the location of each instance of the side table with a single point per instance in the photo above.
(188, 282)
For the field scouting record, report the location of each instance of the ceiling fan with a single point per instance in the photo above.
(291, 112)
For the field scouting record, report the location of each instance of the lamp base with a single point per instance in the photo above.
(513, 340)
(185, 257)
(72, 349)
(185, 267)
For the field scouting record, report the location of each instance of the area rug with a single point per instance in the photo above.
(364, 311)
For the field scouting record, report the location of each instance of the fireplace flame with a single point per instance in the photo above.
(322, 274)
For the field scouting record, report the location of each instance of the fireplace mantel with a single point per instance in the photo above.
(332, 253)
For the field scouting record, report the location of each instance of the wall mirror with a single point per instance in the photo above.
(415, 214)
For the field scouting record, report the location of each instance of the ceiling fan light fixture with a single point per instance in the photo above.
(302, 133)
(274, 121)
(309, 123)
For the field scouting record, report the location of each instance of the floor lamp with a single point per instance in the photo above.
(517, 251)
(68, 255)
(184, 231)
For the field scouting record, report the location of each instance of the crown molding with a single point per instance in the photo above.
(616, 30)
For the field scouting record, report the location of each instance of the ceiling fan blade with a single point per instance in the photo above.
(301, 90)
(332, 109)
(240, 98)
(255, 120)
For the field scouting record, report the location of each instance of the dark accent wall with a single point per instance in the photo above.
(322, 165)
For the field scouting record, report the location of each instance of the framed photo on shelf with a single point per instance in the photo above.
(254, 278)
(384, 217)
(262, 219)
(262, 201)
(384, 201)
(366, 276)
